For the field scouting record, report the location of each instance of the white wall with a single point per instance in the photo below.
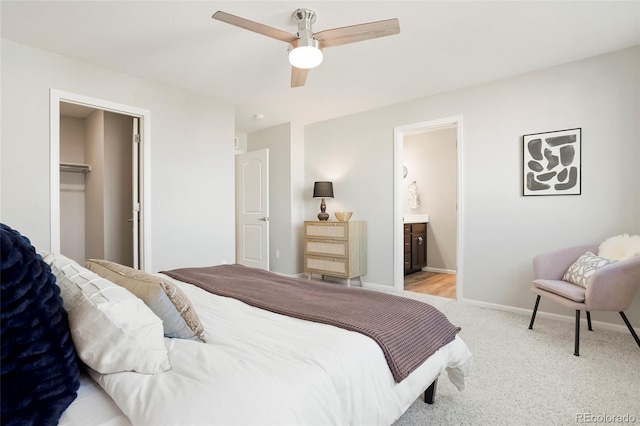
(72, 189)
(502, 230)
(298, 189)
(94, 192)
(430, 158)
(191, 145)
(242, 142)
(71, 139)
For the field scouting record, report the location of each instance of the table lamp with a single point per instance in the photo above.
(322, 190)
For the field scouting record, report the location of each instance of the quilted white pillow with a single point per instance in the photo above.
(112, 330)
(584, 267)
(620, 247)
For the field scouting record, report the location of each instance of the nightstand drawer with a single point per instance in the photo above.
(333, 266)
(337, 230)
(339, 248)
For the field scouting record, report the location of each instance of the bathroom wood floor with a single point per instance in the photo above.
(431, 283)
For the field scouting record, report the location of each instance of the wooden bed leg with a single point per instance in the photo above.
(430, 393)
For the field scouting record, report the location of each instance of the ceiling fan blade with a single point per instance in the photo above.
(354, 33)
(298, 76)
(256, 27)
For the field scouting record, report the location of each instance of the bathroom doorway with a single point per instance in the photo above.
(427, 207)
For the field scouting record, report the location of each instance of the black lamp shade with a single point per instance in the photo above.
(323, 189)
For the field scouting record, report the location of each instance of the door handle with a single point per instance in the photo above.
(263, 219)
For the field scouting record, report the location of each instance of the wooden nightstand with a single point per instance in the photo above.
(336, 249)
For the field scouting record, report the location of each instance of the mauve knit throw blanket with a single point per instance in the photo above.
(407, 331)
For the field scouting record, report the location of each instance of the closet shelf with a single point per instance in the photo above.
(74, 167)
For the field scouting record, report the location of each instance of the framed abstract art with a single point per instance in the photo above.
(551, 163)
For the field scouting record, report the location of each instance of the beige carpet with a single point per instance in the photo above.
(531, 377)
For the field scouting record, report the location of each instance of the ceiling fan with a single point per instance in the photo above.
(305, 50)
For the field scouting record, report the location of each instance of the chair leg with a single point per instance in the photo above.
(535, 309)
(589, 321)
(633, 332)
(577, 346)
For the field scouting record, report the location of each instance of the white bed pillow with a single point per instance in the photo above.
(112, 330)
(620, 247)
(168, 302)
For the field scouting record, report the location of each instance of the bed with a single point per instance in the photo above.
(256, 367)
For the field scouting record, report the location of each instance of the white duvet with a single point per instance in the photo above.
(262, 368)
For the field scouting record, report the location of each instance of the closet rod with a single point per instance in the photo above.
(73, 167)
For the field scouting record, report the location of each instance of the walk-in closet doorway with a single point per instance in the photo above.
(98, 185)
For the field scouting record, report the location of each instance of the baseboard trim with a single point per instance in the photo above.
(566, 318)
(378, 287)
(439, 271)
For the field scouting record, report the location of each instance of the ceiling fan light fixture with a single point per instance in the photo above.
(305, 46)
(305, 54)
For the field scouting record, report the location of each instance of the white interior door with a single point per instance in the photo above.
(135, 214)
(252, 177)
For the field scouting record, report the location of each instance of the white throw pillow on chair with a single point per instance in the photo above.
(584, 267)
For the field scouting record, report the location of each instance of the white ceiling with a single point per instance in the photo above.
(442, 46)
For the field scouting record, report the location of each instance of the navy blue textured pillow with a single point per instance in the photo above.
(40, 375)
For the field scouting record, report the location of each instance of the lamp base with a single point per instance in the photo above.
(323, 216)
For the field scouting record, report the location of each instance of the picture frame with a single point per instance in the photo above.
(551, 163)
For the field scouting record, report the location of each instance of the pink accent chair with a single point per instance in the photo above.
(610, 288)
